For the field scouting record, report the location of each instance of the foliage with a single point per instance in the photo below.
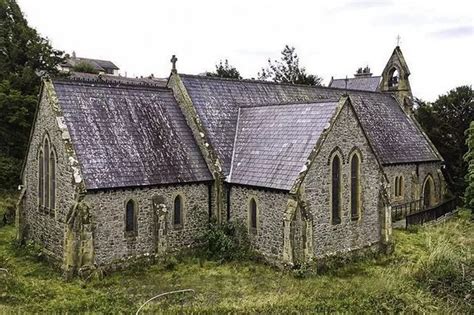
(445, 121)
(85, 67)
(404, 282)
(226, 241)
(23, 54)
(469, 159)
(224, 70)
(288, 70)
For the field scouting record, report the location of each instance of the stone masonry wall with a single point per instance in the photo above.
(328, 238)
(112, 243)
(414, 176)
(271, 206)
(43, 226)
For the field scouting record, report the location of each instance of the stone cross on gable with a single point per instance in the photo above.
(398, 40)
(173, 61)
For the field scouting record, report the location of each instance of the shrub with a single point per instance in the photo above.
(226, 241)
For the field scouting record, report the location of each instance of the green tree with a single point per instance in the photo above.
(85, 67)
(469, 158)
(445, 121)
(24, 54)
(288, 70)
(224, 70)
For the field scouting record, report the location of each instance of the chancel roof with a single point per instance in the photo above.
(274, 142)
(126, 135)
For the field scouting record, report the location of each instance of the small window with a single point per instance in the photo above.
(130, 216)
(253, 215)
(355, 187)
(41, 179)
(336, 190)
(400, 186)
(178, 211)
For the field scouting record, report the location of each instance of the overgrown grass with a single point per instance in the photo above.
(430, 271)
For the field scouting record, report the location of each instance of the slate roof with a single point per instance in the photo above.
(358, 83)
(129, 135)
(394, 136)
(273, 142)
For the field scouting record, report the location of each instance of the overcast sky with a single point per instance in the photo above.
(332, 38)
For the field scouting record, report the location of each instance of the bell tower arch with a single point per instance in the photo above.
(395, 79)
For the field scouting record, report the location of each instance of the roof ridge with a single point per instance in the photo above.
(278, 83)
(322, 101)
(109, 83)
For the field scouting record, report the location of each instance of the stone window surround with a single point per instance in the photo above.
(399, 187)
(356, 152)
(336, 152)
(133, 233)
(53, 158)
(183, 203)
(253, 231)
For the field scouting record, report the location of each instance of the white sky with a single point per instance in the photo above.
(332, 38)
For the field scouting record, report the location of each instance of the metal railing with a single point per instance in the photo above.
(402, 210)
(432, 213)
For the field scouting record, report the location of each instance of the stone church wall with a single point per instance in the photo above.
(271, 206)
(328, 239)
(414, 176)
(42, 225)
(112, 243)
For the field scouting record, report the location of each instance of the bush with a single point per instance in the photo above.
(226, 241)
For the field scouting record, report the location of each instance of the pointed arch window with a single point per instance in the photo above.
(46, 172)
(355, 187)
(253, 215)
(52, 179)
(399, 186)
(178, 211)
(336, 190)
(130, 216)
(40, 179)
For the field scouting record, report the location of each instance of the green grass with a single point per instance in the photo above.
(409, 280)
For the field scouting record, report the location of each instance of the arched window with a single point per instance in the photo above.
(396, 186)
(46, 172)
(52, 200)
(40, 179)
(336, 190)
(130, 216)
(178, 211)
(355, 187)
(253, 215)
(400, 186)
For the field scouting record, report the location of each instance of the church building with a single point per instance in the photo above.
(127, 168)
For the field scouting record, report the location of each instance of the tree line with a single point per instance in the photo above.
(25, 55)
